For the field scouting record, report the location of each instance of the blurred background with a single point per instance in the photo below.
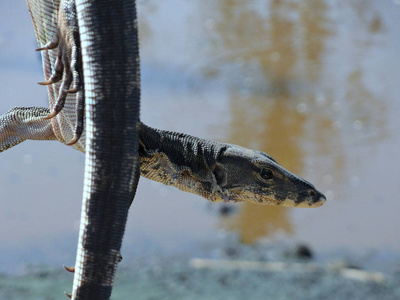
(315, 84)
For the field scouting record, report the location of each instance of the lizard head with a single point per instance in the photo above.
(242, 174)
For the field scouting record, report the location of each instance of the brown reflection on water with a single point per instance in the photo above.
(279, 130)
(267, 117)
(315, 23)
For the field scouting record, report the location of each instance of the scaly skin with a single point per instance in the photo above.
(221, 172)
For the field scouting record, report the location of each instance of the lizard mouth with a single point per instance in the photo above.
(305, 204)
(313, 198)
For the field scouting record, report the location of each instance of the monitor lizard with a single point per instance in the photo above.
(86, 65)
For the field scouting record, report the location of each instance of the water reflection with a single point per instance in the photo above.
(277, 126)
(278, 130)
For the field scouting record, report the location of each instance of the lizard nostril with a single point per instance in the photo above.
(313, 193)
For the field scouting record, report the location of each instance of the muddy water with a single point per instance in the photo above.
(315, 84)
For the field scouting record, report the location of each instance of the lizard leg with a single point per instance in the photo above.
(76, 67)
(80, 114)
(24, 123)
(76, 63)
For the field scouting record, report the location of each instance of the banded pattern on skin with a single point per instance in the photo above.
(179, 160)
(158, 167)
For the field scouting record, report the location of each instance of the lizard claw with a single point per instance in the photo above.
(74, 140)
(69, 269)
(68, 295)
(74, 90)
(51, 115)
(46, 82)
(50, 45)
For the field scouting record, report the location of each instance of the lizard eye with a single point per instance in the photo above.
(266, 174)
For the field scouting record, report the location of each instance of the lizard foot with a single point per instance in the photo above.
(68, 295)
(67, 65)
(67, 69)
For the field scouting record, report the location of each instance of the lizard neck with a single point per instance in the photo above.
(180, 160)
